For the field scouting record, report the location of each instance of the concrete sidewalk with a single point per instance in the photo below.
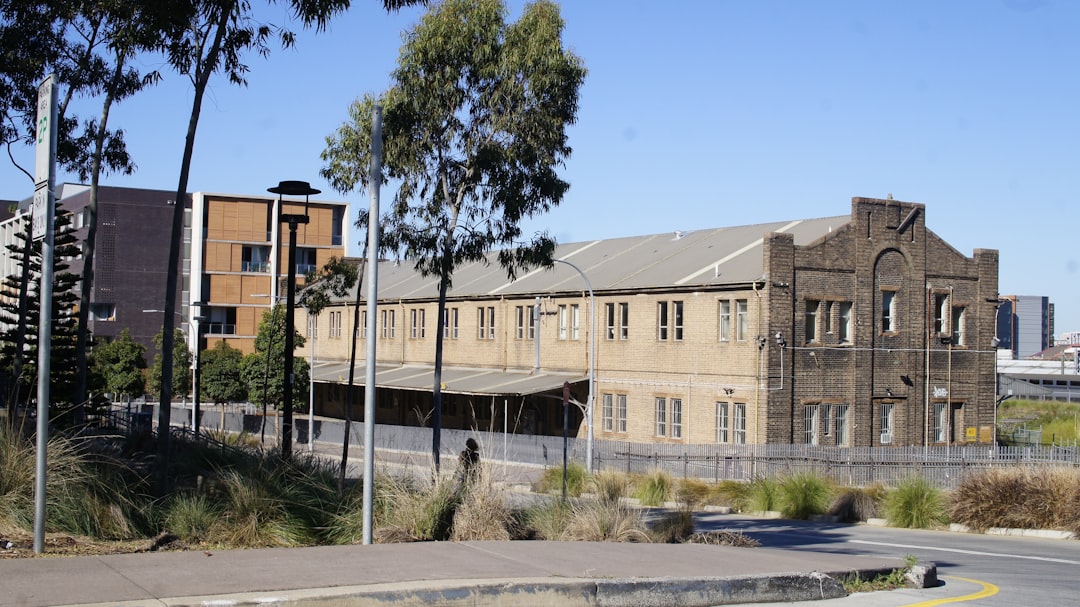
(436, 573)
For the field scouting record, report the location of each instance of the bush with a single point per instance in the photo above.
(674, 527)
(762, 495)
(734, 494)
(1017, 498)
(857, 504)
(655, 488)
(551, 481)
(916, 504)
(803, 494)
(610, 486)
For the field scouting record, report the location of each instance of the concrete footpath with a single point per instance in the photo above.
(437, 573)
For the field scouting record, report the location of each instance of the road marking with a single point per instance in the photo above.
(974, 552)
(988, 589)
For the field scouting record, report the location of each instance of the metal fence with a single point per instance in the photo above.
(944, 466)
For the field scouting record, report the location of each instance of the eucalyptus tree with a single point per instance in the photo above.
(216, 37)
(474, 131)
(88, 45)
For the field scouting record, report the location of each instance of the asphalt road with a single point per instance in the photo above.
(1025, 571)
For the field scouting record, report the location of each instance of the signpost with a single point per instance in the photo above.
(42, 218)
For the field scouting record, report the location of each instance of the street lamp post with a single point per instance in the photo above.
(199, 319)
(592, 367)
(290, 188)
(311, 384)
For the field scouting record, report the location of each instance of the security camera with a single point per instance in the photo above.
(780, 340)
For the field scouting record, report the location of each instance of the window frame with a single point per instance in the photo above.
(738, 434)
(810, 320)
(724, 320)
(723, 422)
(660, 416)
(675, 426)
(889, 321)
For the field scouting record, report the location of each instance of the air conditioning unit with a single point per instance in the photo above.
(886, 439)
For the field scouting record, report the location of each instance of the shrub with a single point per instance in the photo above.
(655, 488)
(915, 503)
(1014, 497)
(191, 517)
(762, 495)
(549, 520)
(803, 494)
(674, 527)
(735, 494)
(595, 521)
(482, 513)
(692, 492)
(610, 486)
(551, 481)
(856, 504)
(412, 510)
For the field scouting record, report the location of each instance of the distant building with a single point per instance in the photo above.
(1025, 324)
(1070, 338)
(233, 258)
(858, 330)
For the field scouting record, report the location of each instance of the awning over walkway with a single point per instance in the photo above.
(455, 380)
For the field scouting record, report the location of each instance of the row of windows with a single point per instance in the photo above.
(668, 418)
(822, 318)
(830, 419)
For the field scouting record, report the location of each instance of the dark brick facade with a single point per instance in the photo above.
(927, 357)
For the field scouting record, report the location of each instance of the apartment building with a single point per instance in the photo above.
(239, 254)
(857, 330)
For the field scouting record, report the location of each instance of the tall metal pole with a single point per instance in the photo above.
(311, 388)
(592, 366)
(44, 183)
(292, 188)
(372, 302)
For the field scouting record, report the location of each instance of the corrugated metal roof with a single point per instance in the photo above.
(455, 380)
(708, 257)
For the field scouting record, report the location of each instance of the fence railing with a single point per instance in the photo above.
(944, 466)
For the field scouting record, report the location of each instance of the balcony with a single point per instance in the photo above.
(255, 266)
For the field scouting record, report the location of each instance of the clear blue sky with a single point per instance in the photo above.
(713, 113)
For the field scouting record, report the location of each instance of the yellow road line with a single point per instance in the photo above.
(988, 589)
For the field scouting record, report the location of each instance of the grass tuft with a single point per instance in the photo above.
(916, 504)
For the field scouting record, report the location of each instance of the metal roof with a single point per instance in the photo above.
(697, 258)
(455, 380)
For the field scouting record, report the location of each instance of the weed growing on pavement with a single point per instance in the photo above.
(897, 578)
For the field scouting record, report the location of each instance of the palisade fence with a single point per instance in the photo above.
(946, 467)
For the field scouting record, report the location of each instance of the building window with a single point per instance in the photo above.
(305, 261)
(101, 312)
(841, 424)
(722, 421)
(739, 433)
(333, 325)
(678, 314)
(742, 325)
(661, 416)
(827, 309)
(941, 303)
(624, 321)
(888, 312)
(810, 433)
(939, 422)
(388, 324)
(620, 413)
(450, 323)
(313, 327)
(575, 322)
(662, 321)
(255, 259)
(958, 325)
(609, 315)
(676, 418)
(886, 423)
(609, 412)
(363, 322)
(416, 323)
(485, 322)
(844, 327)
(725, 320)
(812, 308)
(519, 325)
(564, 321)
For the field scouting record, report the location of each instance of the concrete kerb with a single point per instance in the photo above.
(534, 592)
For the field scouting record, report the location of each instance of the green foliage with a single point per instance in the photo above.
(263, 370)
(1059, 420)
(610, 486)
(916, 504)
(897, 578)
(333, 280)
(763, 494)
(121, 362)
(654, 489)
(220, 376)
(551, 481)
(802, 494)
(181, 359)
(90, 494)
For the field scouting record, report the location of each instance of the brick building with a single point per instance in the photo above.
(856, 330)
